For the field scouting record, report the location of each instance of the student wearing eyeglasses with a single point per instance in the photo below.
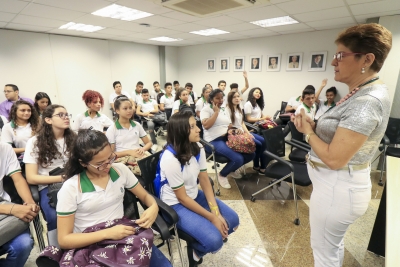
(46, 151)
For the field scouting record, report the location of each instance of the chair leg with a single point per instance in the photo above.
(171, 254)
(216, 174)
(277, 181)
(382, 168)
(178, 243)
(297, 220)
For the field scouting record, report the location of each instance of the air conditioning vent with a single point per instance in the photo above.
(203, 8)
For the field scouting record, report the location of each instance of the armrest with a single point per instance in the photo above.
(299, 145)
(385, 140)
(251, 126)
(167, 210)
(267, 153)
(35, 193)
(161, 226)
(204, 142)
(276, 114)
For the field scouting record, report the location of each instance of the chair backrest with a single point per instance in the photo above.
(159, 97)
(296, 135)
(148, 167)
(393, 131)
(275, 141)
(283, 107)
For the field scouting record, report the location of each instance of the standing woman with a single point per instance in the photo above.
(42, 100)
(92, 117)
(183, 164)
(202, 101)
(216, 124)
(345, 140)
(46, 151)
(236, 115)
(254, 106)
(24, 123)
(181, 97)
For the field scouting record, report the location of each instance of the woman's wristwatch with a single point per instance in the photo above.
(307, 137)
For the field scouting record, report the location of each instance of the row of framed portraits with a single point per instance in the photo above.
(294, 62)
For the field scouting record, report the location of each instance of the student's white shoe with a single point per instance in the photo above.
(223, 181)
(154, 148)
(237, 174)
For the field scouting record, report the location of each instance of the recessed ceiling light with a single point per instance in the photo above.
(165, 39)
(121, 12)
(209, 32)
(81, 27)
(275, 21)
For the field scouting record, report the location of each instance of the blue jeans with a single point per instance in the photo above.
(260, 148)
(18, 250)
(158, 259)
(236, 159)
(50, 213)
(208, 237)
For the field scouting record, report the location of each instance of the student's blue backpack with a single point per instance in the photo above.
(157, 183)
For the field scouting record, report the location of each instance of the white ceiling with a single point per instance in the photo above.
(48, 15)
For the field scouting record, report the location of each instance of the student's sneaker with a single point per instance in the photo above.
(223, 181)
(154, 148)
(238, 173)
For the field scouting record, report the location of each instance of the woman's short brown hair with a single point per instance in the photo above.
(368, 38)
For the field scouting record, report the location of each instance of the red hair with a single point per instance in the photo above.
(90, 96)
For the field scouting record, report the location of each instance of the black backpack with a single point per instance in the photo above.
(186, 108)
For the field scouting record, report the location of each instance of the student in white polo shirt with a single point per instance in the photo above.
(181, 97)
(92, 117)
(18, 248)
(93, 192)
(117, 92)
(254, 106)
(167, 100)
(157, 90)
(203, 101)
(46, 151)
(137, 94)
(325, 105)
(125, 134)
(192, 94)
(308, 100)
(23, 125)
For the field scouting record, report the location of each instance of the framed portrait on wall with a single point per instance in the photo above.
(211, 64)
(255, 63)
(274, 62)
(238, 64)
(224, 64)
(294, 61)
(317, 61)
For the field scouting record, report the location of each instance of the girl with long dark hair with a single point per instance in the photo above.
(42, 100)
(254, 106)
(181, 97)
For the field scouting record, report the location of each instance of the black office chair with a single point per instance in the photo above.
(297, 154)
(282, 170)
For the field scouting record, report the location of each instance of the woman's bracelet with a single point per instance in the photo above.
(11, 208)
(214, 208)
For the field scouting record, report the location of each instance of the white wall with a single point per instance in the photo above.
(171, 63)
(65, 66)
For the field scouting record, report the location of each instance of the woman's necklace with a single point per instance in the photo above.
(355, 90)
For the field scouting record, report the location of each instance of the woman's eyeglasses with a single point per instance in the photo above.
(104, 166)
(63, 115)
(340, 55)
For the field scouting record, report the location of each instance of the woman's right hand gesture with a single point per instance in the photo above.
(216, 108)
(221, 225)
(23, 212)
(119, 231)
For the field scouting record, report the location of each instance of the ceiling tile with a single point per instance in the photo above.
(279, 1)
(329, 27)
(232, 36)
(353, 2)
(258, 14)
(98, 35)
(239, 27)
(147, 6)
(116, 32)
(36, 21)
(183, 36)
(187, 27)
(25, 27)
(98, 21)
(159, 21)
(2, 24)
(297, 31)
(143, 36)
(133, 27)
(291, 27)
(331, 22)
(51, 12)
(218, 21)
(12, 6)
(6, 17)
(67, 32)
(375, 7)
(162, 32)
(256, 32)
(87, 6)
(332, 13)
(303, 6)
(181, 16)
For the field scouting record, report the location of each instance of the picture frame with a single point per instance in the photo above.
(294, 61)
(211, 64)
(239, 67)
(317, 61)
(255, 63)
(223, 64)
(274, 62)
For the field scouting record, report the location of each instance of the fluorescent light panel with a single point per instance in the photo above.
(209, 32)
(81, 27)
(165, 39)
(121, 12)
(286, 20)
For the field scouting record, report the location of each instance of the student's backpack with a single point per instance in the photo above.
(186, 108)
(157, 182)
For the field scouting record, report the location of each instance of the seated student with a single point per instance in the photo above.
(3, 121)
(192, 95)
(308, 100)
(181, 97)
(176, 87)
(236, 115)
(90, 175)
(324, 105)
(92, 117)
(235, 87)
(157, 90)
(124, 135)
(148, 108)
(18, 248)
(167, 100)
(254, 106)
(137, 94)
(216, 124)
(42, 100)
(222, 86)
(117, 92)
(293, 104)
(202, 101)
(24, 123)
(183, 165)
(46, 151)
(209, 86)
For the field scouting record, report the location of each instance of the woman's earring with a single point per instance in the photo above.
(363, 70)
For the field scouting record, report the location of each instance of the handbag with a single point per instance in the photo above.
(54, 188)
(267, 124)
(10, 226)
(242, 143)
(159, 117)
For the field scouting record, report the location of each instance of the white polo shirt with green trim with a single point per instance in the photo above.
(98, 122)
(123, 138)
(147, 106)
(92, 204)
(171, 169)
(19, 137)
(168, 101)
(8, 166)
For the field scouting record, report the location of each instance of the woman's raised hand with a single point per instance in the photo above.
(303, 123)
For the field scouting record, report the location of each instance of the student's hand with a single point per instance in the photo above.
(239, 131)
(150, 115)
(140, 152)
(23, 212)
(231, 131)
(119, 231)
(219, 224)
(267, 117)
(137, 153)
(216, 108)
(324, 82)
(34, 206)
(148, 217)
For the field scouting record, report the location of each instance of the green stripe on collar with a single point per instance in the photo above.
(12, 123)
(119, 126)
(87, 114)
(86, 185)
(297, 99)
(114, 175)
